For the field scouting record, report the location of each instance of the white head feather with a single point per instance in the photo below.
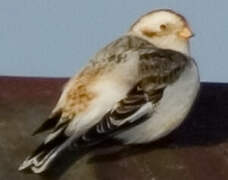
(165, 29)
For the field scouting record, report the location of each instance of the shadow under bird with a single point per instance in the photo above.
(136, 89)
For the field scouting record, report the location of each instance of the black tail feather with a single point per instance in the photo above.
(41, 158)
(49, 123)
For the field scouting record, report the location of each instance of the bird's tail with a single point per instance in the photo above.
(41, 158)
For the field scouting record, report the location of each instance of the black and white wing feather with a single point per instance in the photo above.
(128, 112)
(158, 69)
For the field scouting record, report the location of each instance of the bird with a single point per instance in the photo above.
(137, 89)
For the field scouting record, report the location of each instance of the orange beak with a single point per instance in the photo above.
(186, 33)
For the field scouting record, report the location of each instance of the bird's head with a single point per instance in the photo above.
(165, 29)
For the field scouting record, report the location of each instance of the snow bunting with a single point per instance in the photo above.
(137, 89)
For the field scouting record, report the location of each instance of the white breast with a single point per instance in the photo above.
(171, 111)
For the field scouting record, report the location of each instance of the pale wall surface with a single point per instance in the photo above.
(56, 38)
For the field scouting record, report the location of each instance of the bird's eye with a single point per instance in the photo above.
(163, 27)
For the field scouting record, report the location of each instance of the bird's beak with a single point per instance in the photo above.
(186, 33)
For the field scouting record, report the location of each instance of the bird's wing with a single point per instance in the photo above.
(158, 69)
(135, 108)
(76, 87)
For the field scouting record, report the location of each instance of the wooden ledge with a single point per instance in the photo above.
(197, 150)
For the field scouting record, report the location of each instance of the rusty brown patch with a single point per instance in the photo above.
(79, 96)
(149, 33)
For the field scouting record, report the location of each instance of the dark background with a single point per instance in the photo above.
(197, 150)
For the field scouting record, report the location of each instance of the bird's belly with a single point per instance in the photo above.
(171, 110)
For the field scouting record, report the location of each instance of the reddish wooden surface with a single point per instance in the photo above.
(197, 150)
